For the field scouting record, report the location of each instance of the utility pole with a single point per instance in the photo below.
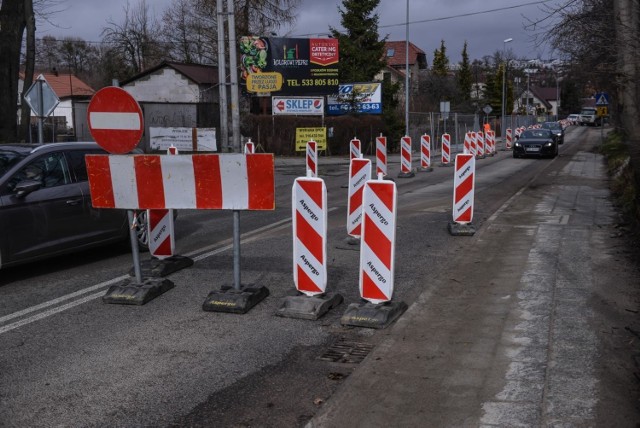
(233, 72)
(222, 80)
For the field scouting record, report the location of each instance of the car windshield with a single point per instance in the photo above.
(8, 158)
(551, 125)
(536, 133)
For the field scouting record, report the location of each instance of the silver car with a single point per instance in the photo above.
(45, 204)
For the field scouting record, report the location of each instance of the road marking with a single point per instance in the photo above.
(199, 254)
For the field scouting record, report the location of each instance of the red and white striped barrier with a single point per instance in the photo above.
(467, 143)
(161, 233)
(474, 143)
(508, 144)
(249, 147)
(480, 149)
(160, 227)
(405, 155)
(381, 155)
(354, 149)
(359, 174)
(377, 246)
(206, 181)
(491, 143)
(309, 214)
(446, 149)
(425, 151)
(463, 188)
(312, 159)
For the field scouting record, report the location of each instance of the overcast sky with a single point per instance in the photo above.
(484, 24)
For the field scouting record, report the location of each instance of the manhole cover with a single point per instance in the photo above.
(347, 351)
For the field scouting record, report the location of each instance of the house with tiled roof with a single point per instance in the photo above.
(543, 100)
(70, 89)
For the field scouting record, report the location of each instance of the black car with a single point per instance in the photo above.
(45, 204)
(556, 129)
(536, 142)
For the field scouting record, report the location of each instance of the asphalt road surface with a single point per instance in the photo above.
(67, 359)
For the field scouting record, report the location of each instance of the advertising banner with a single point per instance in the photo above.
(304, 135)
(285, 66)
(298, 106)
(184, 139)
(366, 98)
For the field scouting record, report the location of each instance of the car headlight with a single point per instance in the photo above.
(517, 144)
(548, 144)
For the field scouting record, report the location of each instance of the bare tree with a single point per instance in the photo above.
(137, 37)
(189, 31)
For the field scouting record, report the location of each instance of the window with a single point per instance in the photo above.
(391, 52)
(49, 170)
(77, 163)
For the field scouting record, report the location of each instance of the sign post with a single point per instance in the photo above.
(42, 100)
(116, 123)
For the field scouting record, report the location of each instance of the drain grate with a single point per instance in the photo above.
(347, 351)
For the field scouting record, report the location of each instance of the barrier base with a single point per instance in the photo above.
(446, 164)
(308, 307)
(373, 316)
(162, 267)
(429, 169)
(461, 229)
(406, 174)
(228, 299)
(129, 292)
(352, 240)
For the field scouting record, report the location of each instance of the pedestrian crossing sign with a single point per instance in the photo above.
(602, 99)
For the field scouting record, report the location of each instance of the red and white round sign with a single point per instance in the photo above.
(115, 120)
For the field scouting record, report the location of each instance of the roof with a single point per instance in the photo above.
(65, 85)
(197, 73)
(395, 54)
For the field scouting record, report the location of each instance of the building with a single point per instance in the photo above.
(174, 94)
(71, 91)
(538, 100)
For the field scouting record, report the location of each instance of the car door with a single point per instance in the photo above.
(41, 221)
(98, 224)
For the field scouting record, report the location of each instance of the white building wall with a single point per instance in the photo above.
(165, 85)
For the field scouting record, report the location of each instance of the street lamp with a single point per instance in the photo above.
(504, 76)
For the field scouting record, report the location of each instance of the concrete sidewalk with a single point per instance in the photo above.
(528, 329)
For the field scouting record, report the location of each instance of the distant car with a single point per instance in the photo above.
(536, 142)
(556, 129)
(573, 118)
(45, 204)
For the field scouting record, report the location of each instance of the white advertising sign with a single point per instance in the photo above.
(313, 106)
(184, 139)
(367, 97)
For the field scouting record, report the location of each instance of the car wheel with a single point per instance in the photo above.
(142, 230)
(515, 155)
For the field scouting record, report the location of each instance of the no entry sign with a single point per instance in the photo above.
(115, 120)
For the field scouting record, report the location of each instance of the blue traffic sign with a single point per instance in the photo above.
(602, 99)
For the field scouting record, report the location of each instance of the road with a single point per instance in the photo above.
(69, 360)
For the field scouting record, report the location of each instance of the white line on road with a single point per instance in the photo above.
(208, 252)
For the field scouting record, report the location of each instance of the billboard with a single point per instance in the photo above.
(366, 97)
(287, 66)
(312, 106)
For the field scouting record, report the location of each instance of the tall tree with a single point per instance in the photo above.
(361, 50)
(440, 65)
(464, 76)
(137, 38)
(13, 17)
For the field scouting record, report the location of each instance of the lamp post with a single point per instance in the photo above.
(504, 77)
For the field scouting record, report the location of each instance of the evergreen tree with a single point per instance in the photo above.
(465, 78)
(362, 57)
(440, 61)
(361, 51)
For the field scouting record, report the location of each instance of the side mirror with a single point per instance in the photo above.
(25, 187)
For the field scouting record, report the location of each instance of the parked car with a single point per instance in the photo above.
(556, 129)
(536, 142)
(45, 204)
